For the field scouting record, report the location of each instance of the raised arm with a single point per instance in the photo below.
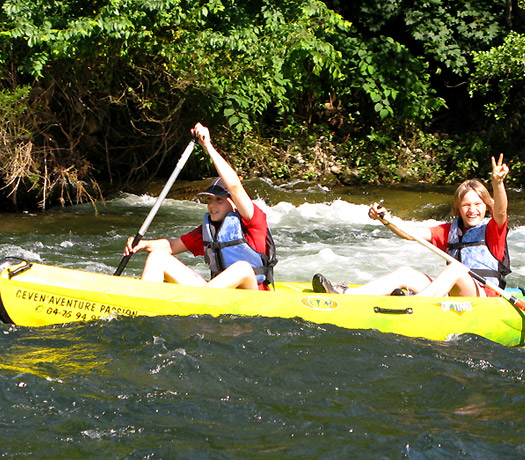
(499, 172)
(238, 194)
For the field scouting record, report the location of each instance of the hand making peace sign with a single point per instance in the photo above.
(499, 169)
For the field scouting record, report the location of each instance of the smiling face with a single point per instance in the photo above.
(472, 209)
(218, 207)
(472, 202)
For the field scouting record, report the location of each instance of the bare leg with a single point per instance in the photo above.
(402, 277)
(161, 265)
(239, 275)
(454, 279)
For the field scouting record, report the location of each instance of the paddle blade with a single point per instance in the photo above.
(518, 303)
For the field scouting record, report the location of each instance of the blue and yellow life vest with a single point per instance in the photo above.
(471, 249)
(227, 245)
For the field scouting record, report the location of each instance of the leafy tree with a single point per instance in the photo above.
(499, 81)
(444, 31)
(447, 36)
(499, 76)
(293, 86)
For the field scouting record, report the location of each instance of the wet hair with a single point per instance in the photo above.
(467, 186)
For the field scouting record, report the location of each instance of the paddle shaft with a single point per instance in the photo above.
(513, 300)
(142, 231)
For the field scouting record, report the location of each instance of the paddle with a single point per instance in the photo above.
(142, 231)
(506, 295)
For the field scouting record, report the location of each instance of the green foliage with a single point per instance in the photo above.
(449, 30)
(443, 31)
(396, 82)
(268, 59)
(499, 76)
(296, 88)
(414, 156)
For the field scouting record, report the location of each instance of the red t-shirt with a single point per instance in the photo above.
(254, 231)
(495, 236)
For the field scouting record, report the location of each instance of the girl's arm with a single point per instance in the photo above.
(377, 210)
(499, 172)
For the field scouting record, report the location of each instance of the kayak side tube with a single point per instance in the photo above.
(42, 295)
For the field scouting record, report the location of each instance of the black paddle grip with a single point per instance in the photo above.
(125, 259)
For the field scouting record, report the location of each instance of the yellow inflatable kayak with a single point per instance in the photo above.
(33, 294)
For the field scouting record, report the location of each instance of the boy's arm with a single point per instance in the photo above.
(172, 246)
(238, 194)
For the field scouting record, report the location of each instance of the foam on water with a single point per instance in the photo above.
(336, 238)
(13, 250)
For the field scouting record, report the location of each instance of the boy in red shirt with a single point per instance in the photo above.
(240, 262)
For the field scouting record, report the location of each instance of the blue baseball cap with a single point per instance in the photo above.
(216, 188)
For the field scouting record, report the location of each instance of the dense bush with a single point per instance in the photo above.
(103, 93)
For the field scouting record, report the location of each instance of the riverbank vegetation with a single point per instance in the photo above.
(96, 96)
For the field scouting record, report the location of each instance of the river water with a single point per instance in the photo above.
(248, 388)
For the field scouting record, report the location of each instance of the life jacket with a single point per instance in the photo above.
(227, 245)
(471, 249)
